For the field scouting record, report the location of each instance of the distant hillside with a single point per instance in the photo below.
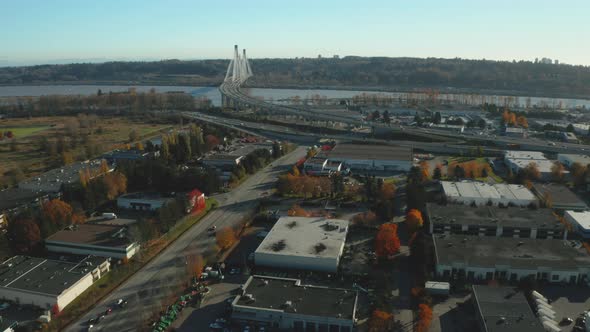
(377, 73)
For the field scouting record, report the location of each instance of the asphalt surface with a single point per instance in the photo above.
(148, 289)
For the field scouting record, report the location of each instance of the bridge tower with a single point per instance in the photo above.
(239, 69)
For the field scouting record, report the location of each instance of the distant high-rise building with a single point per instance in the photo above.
(546, 61)
(556, 62)
(319, 56)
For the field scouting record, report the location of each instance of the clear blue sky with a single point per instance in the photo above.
(42, 31)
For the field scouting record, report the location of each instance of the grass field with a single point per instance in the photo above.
(114, 132)
(24, 131)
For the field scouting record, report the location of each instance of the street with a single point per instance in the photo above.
(149, 288)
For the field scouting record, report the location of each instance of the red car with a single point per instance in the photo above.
(108, 311)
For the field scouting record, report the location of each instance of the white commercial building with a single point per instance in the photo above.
(287, 304)
(142, 201)
(48, 284)
(517, 160)
(580, 222)
(303, 244)
(479, 193)
(504, 258)
(93, 239)
(569, 159)
(360, 158)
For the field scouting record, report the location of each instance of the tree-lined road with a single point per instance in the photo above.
(147, 289)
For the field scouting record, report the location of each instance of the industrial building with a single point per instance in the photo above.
(225, 161)
(518, 160)
(287, 304)
(580, 222)
(558, 196)
(569, 159)
(302, 243)
(360, 158)
(93, 239)
(503, 309)
(143, 201)
(49, 284)
(480, 193)
(487, 258)
(494, 221)
(52, 181)
(515, 132)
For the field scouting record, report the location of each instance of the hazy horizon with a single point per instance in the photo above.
(65, 31)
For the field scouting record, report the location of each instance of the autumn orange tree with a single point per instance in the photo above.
(578, 172)
(424, 318)
(365, 218)
(414, 220)
(58, 214)
(557, 171)
(380, 321)
(531, 172)
(195, 265)
(298, 211)
(226, 237)
(387, 191)
(387, 241)
(425, 169)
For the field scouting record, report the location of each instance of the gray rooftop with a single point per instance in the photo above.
(560, 195)
(273, 293)
(15, 197)
(523, 253)
(42, 275)
(100, 235)
(491, 215)
(301, 236)
(52, 180)
(370, 152)
(505, 309)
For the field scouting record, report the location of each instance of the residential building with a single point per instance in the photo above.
(494, 221)
(302, 243)
(558, 197)
(49, 284)
(287, 304)
(480, 193)
(503, 309)
(143, 201)
(487, 258)
(362, 158)
(93, 239)
(580, 222)
(569, 159)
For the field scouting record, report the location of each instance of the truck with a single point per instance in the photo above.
(109, 215)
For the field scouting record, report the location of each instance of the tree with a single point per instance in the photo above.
(437, 173)
(375, 115)
(115, 183)
(414, 220)
(226, 237)
(367, 218)
(25, 235)
(437, 119)
(387, 241)
(57, 212)
(387, 191)
(133, 136)
(386, 117)
(425, 169)
(298, 211)
(531, 172)
(195, 265)
(380, 321)
(424, 317)
(211, 141)
(578, 172)
(522, 121)
(570, 128)
(557, 170)
(67, 158)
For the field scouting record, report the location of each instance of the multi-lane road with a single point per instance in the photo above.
(147, 290)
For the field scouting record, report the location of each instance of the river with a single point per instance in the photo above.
(268, 94)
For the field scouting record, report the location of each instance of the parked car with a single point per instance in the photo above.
(121, 303)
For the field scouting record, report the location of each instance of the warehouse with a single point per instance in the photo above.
(558, 196)
(493, 221)
(580, 222)
(504, 309)
(486, 258)
(359, 157)
(301, 243)
(48, 284)
(479, 193)
(93, 239)
(569, 159)
(518, 160)
(286, 304)
(142, 201)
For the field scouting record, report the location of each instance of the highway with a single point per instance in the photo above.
(147, 289)
(233, 91)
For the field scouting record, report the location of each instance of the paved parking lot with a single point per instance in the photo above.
(567, 301)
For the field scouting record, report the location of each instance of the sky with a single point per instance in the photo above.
(64, 31)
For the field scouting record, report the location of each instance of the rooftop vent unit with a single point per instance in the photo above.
(288, 304)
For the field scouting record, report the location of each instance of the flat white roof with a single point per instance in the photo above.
(528, 155)
(544, 166)
(472, 189)
(581, 218)
(309, 237)
(575, 158)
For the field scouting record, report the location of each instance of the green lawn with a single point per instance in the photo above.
(24, 131)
